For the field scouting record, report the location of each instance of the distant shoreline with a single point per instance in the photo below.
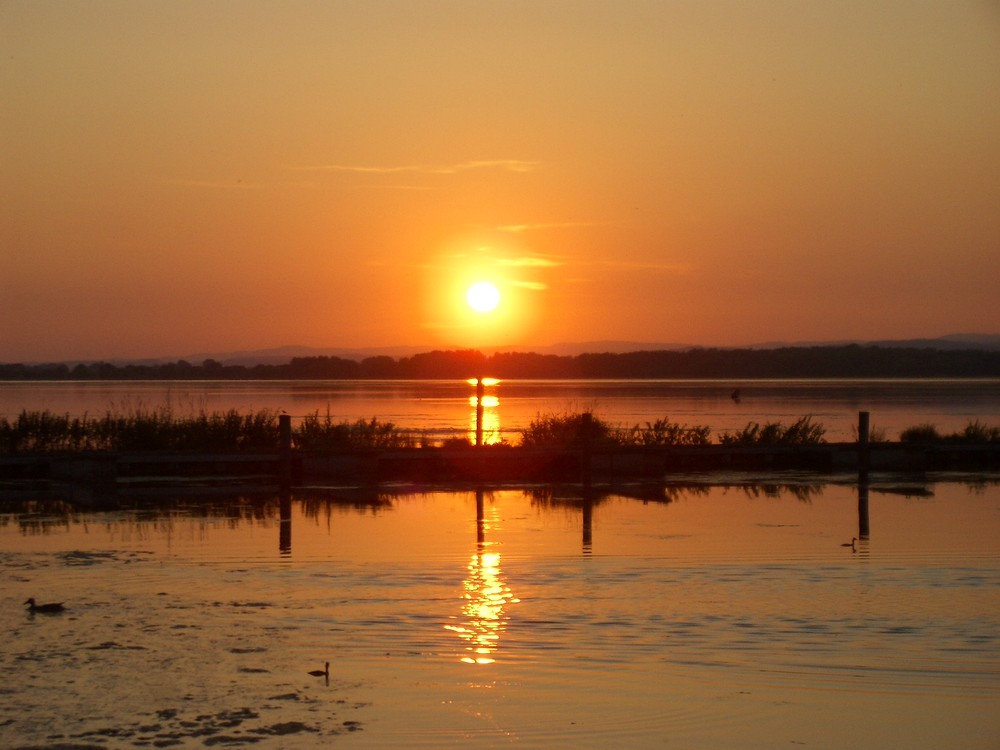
(831, 362)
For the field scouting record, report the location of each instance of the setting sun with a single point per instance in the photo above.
(483, 297)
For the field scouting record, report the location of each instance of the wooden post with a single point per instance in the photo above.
(587, 430)
(864, 446)
(864, 460)
(285, 451)
(479, 410)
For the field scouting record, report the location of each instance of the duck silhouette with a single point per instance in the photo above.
(851, 544)
(321, 672)
(44, 608)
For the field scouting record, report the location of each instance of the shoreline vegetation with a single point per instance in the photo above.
(157, 454)
(159, 429)
(847, 361)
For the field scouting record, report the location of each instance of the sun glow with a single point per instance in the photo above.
(483, 297)
(471, 298)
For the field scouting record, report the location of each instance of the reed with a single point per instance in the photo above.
(663, 432)
(974, 432)
(801, 432)
(140, 430)
(323, 433)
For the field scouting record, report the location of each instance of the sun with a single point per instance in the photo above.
(483, 297)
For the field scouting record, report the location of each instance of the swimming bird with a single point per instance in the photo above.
(321, 672)
(45, 608)
(851, 544)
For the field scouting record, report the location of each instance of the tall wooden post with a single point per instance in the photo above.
(864, 461)
(863, 439)
(479, 410)
(586, 447)
(285, 451)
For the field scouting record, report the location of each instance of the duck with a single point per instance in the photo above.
(321, 672)
(851, 544)
(45, 608)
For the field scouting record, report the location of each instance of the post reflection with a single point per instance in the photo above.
(486, 596)
(285, 525)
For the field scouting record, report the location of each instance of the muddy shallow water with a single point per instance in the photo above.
(711, 617)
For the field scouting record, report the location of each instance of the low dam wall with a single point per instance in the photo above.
(78, 476)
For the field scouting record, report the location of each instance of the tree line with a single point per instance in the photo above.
(849, 361)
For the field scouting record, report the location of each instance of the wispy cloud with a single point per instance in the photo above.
(518, 228)
(536, 286)
(646, 266)
(528, 262)
(236, 184)
(507, 165)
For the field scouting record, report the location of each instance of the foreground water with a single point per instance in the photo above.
(710, 617)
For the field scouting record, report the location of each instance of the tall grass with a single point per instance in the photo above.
(144, 429)
(801, 432)
(140, 430)
(318, 433)
(974, 432)
(577, 430)
(663, 432)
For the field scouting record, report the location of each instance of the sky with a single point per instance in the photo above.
(192, 176)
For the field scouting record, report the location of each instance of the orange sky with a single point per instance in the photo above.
(192, 176)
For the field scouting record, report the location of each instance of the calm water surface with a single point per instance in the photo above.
(710, 617)
(440, 406)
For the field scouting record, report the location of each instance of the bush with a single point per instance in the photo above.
(974, 432)
(565, 431)
(921, 433)
(977, 432)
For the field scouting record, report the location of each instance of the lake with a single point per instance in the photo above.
(443, 407)
(716, 616)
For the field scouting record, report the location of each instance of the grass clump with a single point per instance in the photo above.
(663, 432)
(318, 433)
(801, 432)
(974, 432)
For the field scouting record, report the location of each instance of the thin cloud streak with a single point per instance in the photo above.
(518, 228)
(508, 165)
(237, 184)
(672, 267)
(535, 286)
(528, 262)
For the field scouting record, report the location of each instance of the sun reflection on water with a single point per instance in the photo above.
(486, 595)
(490, 414)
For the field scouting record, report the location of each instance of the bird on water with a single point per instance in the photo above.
(851, 544)
(321, 672)
(47, 608)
